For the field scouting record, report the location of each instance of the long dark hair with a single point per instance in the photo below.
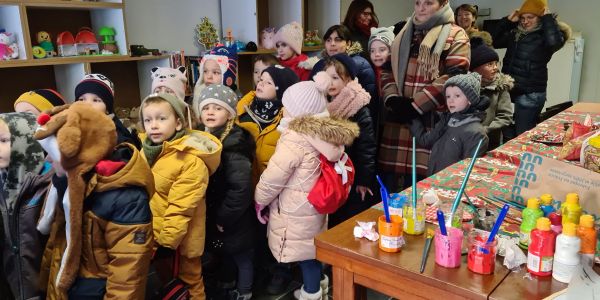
(354, 11)
(342, 31)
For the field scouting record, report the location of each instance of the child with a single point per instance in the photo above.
(229, 217)
(457, 134)
(25, 180)
(98, 91)
(261, 62)
(496, 86)
(181, 161)
(169, 81)
(348, 100)
(307, 132)
(37, 101)
(219, 66)
(288, 41)
(97, 211)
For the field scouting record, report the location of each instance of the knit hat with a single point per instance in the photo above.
(42, 99)
(469, 84)
(228, 62)
(307, 97)
(348, 62)
(178, 105)
(535, 7)
(291, 34)
(174, 79)
(383, 34)
(220, 95)
(282, 77)
(100, 85)
(481, 54)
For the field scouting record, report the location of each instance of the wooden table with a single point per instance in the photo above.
(585, 107)
(359, 262)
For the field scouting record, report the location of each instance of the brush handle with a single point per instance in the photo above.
(498, 223)
(414, 174)
(464, 183)
(442, 223)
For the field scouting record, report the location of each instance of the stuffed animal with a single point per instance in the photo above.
(8, 46)
(43, 38)
(266, 38)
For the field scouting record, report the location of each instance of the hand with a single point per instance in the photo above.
(402, 107)
(262, 218)
(514, 17)
(362, 190)
(220, 228)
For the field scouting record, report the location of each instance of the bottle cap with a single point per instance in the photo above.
(555, 219)
(572, 198)
(546, 199)
(543, 224)
(586, 221)
(569, 229)
(533, 203)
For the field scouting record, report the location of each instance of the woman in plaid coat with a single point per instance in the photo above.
(426, 52)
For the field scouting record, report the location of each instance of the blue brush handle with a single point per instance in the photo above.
(442, 223)
(384, 198)
(498, 223)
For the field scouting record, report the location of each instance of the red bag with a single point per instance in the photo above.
(333, 186)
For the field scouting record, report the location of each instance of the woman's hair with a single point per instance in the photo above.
(354, 11)
(342, 31)
(267, 59)
(473, 9)
(339, 67)
(161, 100)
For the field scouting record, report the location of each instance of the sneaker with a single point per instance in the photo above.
(235, 295)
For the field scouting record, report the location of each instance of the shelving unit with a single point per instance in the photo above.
(131, 75)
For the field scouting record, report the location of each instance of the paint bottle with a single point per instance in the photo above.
(570, 209)
(547, 206)
(555, 222)
(566, 257)
(540, 254)
(529, 216)
(395, 205)
(587, 233)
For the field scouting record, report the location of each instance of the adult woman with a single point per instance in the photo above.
(466, 16)
(426, 52)
(531, 35)
(359, 19)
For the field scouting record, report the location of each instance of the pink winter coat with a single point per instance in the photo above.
(290, 175)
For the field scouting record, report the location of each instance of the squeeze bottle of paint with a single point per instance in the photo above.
(570, 209)
(547, 207)
(566, 257)
(396, 204)
(529, 216)
(587, 233)
(555, 223)
(541, 249)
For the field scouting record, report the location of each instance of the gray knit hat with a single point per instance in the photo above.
(178, 105)
(469, 84)
(217, 94)
(383, 34)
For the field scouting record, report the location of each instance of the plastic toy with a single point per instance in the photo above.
(45, 42)
(65, 42)
(86, 42)
(228, 38)
(206, 34)
(266, 38)
(312, 38)
(240, 45)
(38, 52)
(140, 50)
(8, 46)
(108, 44)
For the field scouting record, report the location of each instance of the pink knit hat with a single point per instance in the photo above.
(174, 79)
(307, 97)
(291, 34)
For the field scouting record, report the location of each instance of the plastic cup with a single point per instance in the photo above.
(390, 234)
(481, 257)
(448, 247)
(414, 226)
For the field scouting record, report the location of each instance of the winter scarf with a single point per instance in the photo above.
(349, 101)
(438, 29)
(522, 32)
(152, 151)
(264, 110)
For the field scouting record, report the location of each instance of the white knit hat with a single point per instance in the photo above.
(222, 60)
(307, 97)
(291, 34)
(383, 34)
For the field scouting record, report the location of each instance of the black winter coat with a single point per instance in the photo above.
(526, 60)
(229, 196)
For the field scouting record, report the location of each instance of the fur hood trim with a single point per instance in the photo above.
(502, 82)
(355, 48)
(330, 130)
(566, 30)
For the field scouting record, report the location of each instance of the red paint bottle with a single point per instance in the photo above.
(540, 254)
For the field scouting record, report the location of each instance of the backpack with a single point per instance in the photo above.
(333, 186)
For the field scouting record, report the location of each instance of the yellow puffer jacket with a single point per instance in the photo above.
(181, 173)
(266, 139)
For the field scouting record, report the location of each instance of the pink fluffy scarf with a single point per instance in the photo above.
(349, 101)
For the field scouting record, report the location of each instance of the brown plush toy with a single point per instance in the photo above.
(77, 136)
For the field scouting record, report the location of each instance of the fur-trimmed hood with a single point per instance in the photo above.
(330, 130)
(565, 29)
(355, 48)
(349, 101)
(502, 82)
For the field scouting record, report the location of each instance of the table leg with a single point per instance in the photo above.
(343, 284)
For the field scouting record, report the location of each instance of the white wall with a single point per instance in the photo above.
(169, 25)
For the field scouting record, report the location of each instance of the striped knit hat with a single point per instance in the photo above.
(42, 99)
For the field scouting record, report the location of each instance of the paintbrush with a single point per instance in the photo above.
(430, 234)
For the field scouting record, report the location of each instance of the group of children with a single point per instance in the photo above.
(140, 209)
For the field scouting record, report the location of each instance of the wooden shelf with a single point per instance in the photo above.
(76, 60)
(271, 51)
(62, 4)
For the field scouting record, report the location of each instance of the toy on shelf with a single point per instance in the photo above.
(8, 46)
(206, 34)
(140, 50)
(65, 42)
(312, 38)
(266, 38)
(45, 42)
(228, 40)
(108, 44)
(86, 42)
(240, 45)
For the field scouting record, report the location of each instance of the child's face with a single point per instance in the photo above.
(284, 51)
(456, 99)
(27, 108)
(93, 100)
(335, 44)
(160, 121)
(214, 116)
(379, 53)
(266, 88)
(259, 66)
(488, 71)
(4, 145)
(163, 90)
(212, 72)
(337, 82)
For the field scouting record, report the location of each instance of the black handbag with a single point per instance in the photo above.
(175, 289)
